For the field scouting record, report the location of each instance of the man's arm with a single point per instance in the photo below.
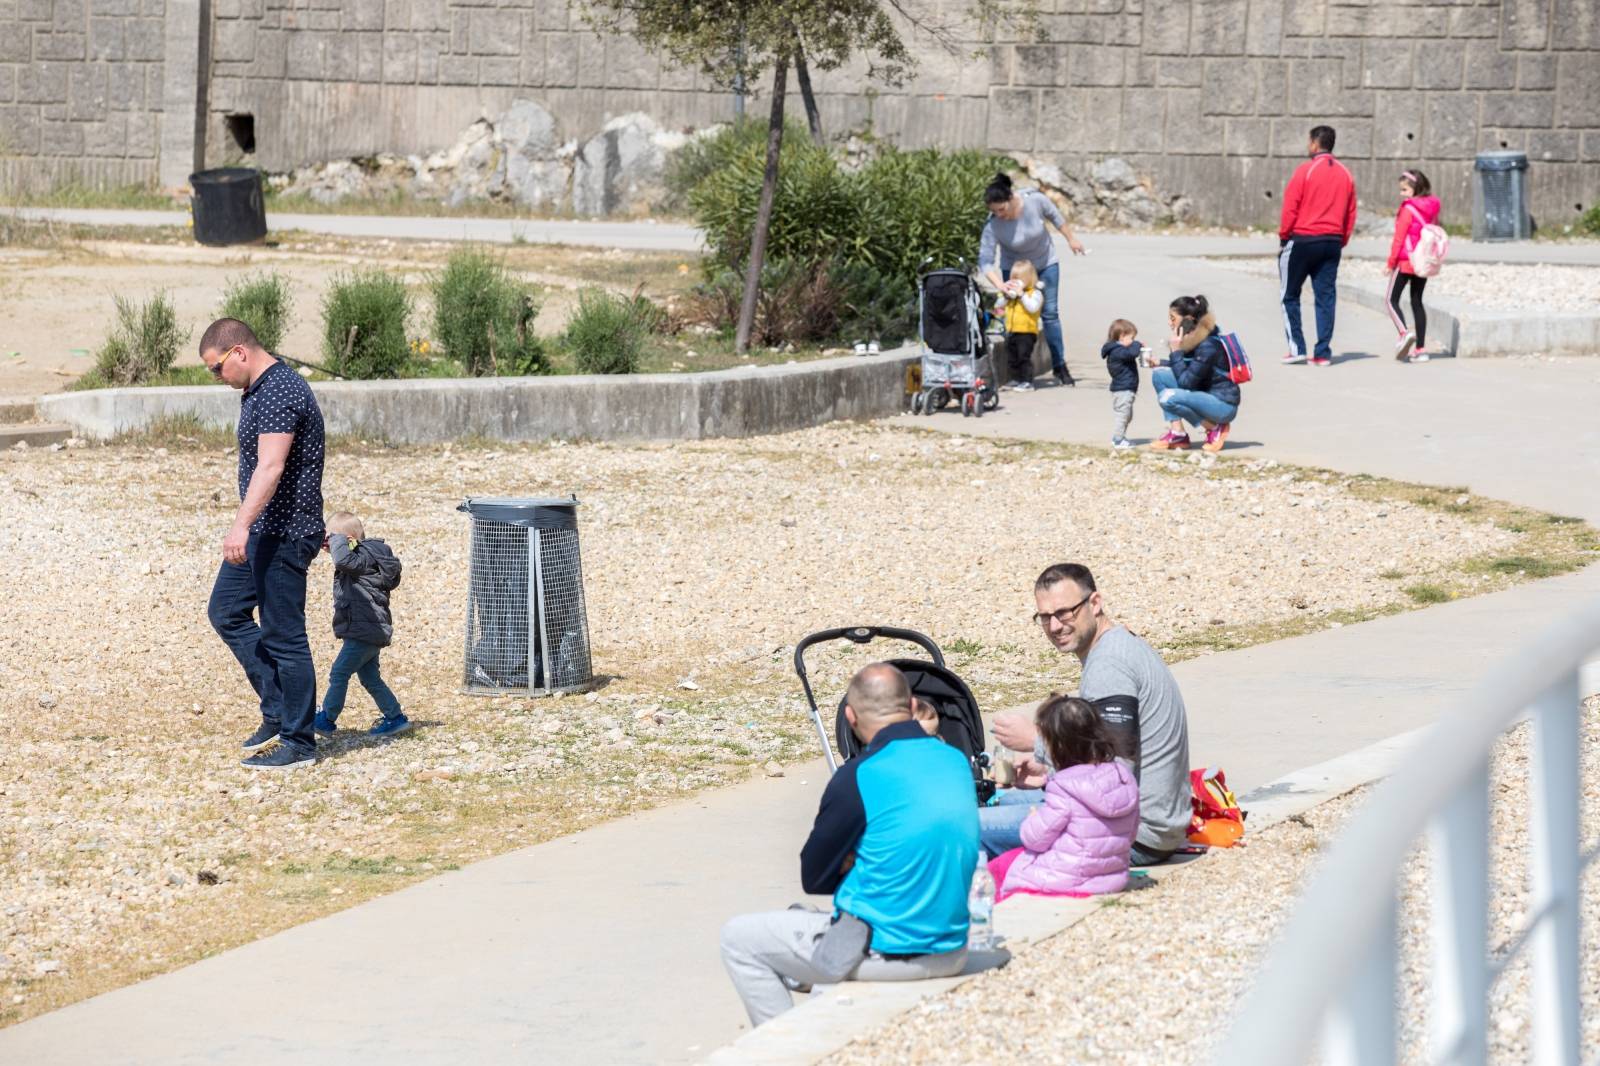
(831, 847)
(272, 451)
(1015, 730)
(1291, 203)
(347, 559)
(1349, 214)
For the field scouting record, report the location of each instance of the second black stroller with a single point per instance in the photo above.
(960, 723)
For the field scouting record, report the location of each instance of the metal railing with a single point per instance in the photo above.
(1333, 971)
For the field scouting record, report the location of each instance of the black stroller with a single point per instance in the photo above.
(957, 364)
(960, 724)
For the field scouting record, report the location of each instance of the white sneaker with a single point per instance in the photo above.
(873, 347)
(1293, 359)
(1402, 347)
(1007, 387)
(1418, 356)
(1121, 443)
(860, 347)
(1024, 386)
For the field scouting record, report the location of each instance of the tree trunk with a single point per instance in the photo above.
(802, 74)
(769, 188)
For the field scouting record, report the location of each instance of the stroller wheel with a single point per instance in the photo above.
(916, 403)
(931, 401)
(977, 405)
(969, 404)
(991, 399)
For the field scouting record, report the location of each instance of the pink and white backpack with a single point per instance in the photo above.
(1433, 244)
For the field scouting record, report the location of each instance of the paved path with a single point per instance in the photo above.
(602, 945)
(642, 236)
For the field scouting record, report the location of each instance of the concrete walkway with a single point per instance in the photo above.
(603, 945)
(638, 235)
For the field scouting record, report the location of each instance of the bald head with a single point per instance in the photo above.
(879, 695)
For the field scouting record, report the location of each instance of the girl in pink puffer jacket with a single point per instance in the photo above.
(1076, 842)
(1418, 208)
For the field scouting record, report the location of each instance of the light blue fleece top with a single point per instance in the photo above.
(1024, 237)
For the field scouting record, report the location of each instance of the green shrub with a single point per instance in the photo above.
(703, 156)
(806, 303)
(927, 203)
(375, 305)
(1589, 221)
(605, 335)
(142, 344)
(483, 317)
(262, 303)
(815, 209)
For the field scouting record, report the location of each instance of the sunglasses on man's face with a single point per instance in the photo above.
(216, 368)
(1063, 617)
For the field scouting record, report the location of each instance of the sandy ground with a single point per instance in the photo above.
(704, 562)
(1153, 977)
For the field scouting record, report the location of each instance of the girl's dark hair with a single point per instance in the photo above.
(1420, 185)
(1194, 307)
(1074, 733)
(999, 190)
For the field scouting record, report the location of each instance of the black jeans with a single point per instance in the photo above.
(1316, 258)
(1143, 856)
(1019, 355)
(276, 655)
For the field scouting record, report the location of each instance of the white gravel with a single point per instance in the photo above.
(122, 712)
(1482, 286)
(1155, 976)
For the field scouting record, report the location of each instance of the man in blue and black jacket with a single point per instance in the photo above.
(895, 841)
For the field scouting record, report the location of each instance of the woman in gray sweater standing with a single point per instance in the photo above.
(1016, 230)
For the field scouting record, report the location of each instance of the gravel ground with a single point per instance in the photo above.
(1485, 286)
(138, 842)
(1151, 977)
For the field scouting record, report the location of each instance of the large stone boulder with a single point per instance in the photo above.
(531, 171)
(1112, 192)
(620, 170)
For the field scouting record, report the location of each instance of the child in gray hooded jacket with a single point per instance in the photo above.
(364, 573)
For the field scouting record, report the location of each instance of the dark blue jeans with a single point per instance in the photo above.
(276, 655)
(362, 661)
(1050, 317)
(1316, 258)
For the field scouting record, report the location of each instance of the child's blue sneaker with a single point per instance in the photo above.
(388, 727)
(323, 725)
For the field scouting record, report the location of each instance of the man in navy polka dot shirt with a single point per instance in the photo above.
(276, 534)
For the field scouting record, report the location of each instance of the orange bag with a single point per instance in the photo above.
(1217, 820)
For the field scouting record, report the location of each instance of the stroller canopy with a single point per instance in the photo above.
(948, 301)
(960, 724)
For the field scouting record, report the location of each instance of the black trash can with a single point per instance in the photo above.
(527, 626)
(1500, 197)
(228, 206)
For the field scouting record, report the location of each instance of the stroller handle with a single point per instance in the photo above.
(865, 635)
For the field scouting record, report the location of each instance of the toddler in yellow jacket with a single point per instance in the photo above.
(1019, 305)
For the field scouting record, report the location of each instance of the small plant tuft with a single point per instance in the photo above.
(483, 317)
(263, 303)
(142, 344)
(1426, 593)
(375, 305)
(606, 334)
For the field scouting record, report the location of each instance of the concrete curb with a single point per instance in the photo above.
(725, 403)
(827, 1022)
(1471, 333)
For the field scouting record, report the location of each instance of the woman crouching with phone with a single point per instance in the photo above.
(1193, 385)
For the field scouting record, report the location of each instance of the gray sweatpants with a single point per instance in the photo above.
(759, 950)
(1122, 413)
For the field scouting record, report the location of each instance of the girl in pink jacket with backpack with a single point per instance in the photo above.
(1418, 210)
(1076, 842)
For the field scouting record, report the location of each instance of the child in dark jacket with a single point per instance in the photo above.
(1122, 363)
(364, 573)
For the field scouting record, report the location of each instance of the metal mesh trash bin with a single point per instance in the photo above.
(527, 629)
(1500, 197)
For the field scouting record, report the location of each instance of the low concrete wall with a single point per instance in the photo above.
(726, 403)
(1467, 332)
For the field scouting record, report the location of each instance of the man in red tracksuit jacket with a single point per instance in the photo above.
(1319, 213)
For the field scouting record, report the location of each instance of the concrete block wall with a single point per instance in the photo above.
(81, 91)
(1209, 98)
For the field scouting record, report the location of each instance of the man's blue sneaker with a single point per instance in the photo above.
(282, 757)
(388, 727)
(323, 724)
(264, 737)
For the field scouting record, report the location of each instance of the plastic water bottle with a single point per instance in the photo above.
(980, 907)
